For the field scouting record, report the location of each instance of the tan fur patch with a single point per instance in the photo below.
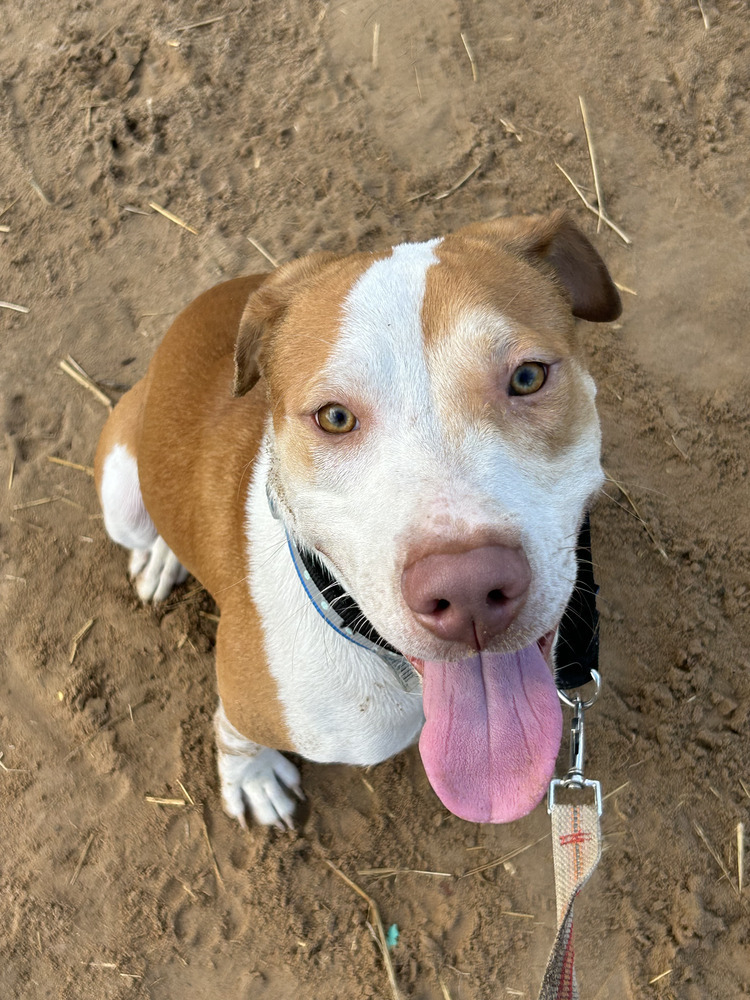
(528, 319)
(300, 348)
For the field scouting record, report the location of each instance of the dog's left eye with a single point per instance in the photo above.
(528, 378)
(335, 419)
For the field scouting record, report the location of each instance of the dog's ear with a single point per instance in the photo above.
(263, 311)
(554, 244)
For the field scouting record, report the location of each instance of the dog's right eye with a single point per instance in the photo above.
(528, 378)
(335, 419)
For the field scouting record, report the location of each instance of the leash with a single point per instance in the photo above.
(576, 849)
(576, 832)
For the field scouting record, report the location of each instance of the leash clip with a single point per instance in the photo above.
(574, 778)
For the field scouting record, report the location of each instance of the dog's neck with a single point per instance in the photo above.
(339, 610)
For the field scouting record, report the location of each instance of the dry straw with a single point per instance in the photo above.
(73, 370)
(262, 251)
(634, 512)
(459, 183)
(212, 854)
(660, 976)
(472, 60)
(172, 218)
(70, 465)
(605, 219)
(78, 638)
(81, 860)
(740, 856)
(594, 171)
(715, 855)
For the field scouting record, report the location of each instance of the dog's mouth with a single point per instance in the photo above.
(492, 732)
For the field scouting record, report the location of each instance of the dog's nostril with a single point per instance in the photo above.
(495, 597)
(441, 605)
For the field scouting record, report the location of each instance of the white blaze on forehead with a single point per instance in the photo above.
(381, 342)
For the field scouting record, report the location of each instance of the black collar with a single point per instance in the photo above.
(576, 651)
(577, 648)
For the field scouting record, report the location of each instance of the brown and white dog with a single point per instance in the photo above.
(417, 429)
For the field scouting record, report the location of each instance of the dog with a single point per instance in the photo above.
(378, 465)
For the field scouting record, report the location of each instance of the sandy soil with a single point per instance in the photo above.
(272, 122)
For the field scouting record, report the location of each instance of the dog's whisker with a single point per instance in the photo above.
(572, 613)
(634, 486)
(273, 551)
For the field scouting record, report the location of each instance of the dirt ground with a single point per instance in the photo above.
(276, 121)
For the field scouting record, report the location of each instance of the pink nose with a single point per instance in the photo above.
(467, 596)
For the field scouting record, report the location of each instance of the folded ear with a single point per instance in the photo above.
(554, 244)
(264, 310)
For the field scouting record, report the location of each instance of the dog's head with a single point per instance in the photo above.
(434, 438)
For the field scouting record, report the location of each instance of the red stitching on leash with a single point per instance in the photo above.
(579, 837)
(566, 979)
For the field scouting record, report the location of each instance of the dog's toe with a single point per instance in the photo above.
(137, 563)
(270, 804)
(156, 571)
(260, 784)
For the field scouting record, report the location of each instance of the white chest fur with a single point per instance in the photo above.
(341, 702)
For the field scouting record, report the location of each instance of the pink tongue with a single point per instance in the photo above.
(492, 733)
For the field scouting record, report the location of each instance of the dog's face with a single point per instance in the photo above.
(434, 436)
(433, 400)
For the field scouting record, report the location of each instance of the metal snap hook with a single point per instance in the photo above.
(575, 777)
(576, 700)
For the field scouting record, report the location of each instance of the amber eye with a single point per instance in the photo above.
(335, 419)
(528, 378)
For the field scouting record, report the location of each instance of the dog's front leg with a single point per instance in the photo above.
(254, 777)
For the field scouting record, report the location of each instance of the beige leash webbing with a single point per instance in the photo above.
(576, 849)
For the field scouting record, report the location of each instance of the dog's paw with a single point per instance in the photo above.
(262, 783)
(156, 571)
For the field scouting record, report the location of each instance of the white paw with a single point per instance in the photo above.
(260, 780)
(156, 571)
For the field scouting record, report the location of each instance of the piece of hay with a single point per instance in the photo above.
(271, 260)
(592, 159)
(81, 860)
(71, 465)
(459, 183)
(605, 218)
(172, 217)
(215, 863)
(740, 855)
(472, 60)
(72, 369)
(79, 637)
